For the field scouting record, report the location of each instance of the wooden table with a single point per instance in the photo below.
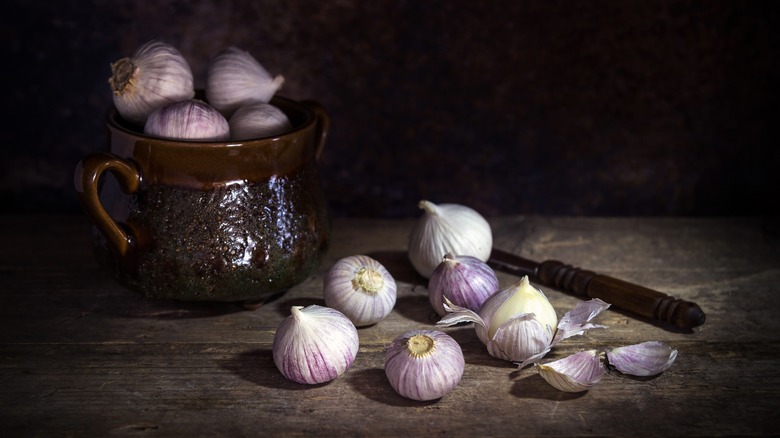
(81, 356)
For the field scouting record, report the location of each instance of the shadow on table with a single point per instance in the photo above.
(257, 367)
(373, 384)
(535, 387)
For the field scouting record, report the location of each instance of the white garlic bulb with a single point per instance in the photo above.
(447, 227)
(235, 78)
(424, 364)
(361, 288)
(155, 75)
(518, 324)
(314, 344)
(258, 119)
(188, 120)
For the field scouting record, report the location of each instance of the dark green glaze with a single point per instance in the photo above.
(242, 241)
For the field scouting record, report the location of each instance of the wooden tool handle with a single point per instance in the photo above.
(621, 294)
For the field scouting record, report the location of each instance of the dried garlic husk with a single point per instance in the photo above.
(447, 228)
(314, 344)
(154, 76)
(424, 364)
(188, 120)
(235, 78)
(645, 359)
(361, 288)
(575, 373)
(258, 119)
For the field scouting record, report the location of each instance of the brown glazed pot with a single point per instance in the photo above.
(210, 221)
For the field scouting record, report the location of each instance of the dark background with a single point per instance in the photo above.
(621, 107)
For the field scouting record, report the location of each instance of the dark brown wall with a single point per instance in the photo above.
(623, 107)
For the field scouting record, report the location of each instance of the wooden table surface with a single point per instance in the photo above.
(81, 356)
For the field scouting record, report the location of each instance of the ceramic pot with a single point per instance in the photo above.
(210, 221)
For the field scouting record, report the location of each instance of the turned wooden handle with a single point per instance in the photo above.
(621, 294)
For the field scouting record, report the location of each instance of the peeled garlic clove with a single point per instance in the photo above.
(576, 373)
(235, 78)
(361, 288)
(257, 120)
(466, 281)
(314, 344)
(188, 120)
(517, 299)
(645, 359)
(447, 227)
(155, 75)
(424, 364)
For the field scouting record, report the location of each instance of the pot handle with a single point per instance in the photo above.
(86, 179)
(323, 125)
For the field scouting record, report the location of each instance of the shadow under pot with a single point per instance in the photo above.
(209, 221)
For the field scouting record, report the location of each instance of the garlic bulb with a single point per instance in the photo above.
(576, 373)
(155, 75)
(645, 359)
(188, 120)
(466, 281)
(235, 78)
(519, 323)
(444, 228)
(424, 364)
(314, 344)
(258, 119)
(361, 288)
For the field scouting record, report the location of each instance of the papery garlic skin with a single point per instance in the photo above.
(314, 344)
(464, 280)
(188, 120)
(361, 288)
(575, 373)
(155, 75)
(645, 359)
(518, 323)
(235, 78)
(424, 364)
(256, 120)
(447, 228)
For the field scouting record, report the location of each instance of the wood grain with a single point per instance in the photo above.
(81, 356)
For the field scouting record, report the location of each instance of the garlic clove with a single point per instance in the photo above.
(424, 364)
(645, 359)
(256, 120)
(155, 75)
(464, 280)
(577, 321)
(447, 227)
(188, 120)
(314, 344)
(235, 78)
(519, 298)
(575, 373)
(361, 288)
(520, 338)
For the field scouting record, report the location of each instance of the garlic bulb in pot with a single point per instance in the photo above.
(188, 120)
(314, 344)
(424, 364)
(466, 281)
(155, 75)
(361, 288)
(447, 227)
(235, 78)
(258, 119)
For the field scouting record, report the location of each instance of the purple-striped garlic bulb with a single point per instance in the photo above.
(464, 280)
(315, 344)
(361, 288)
